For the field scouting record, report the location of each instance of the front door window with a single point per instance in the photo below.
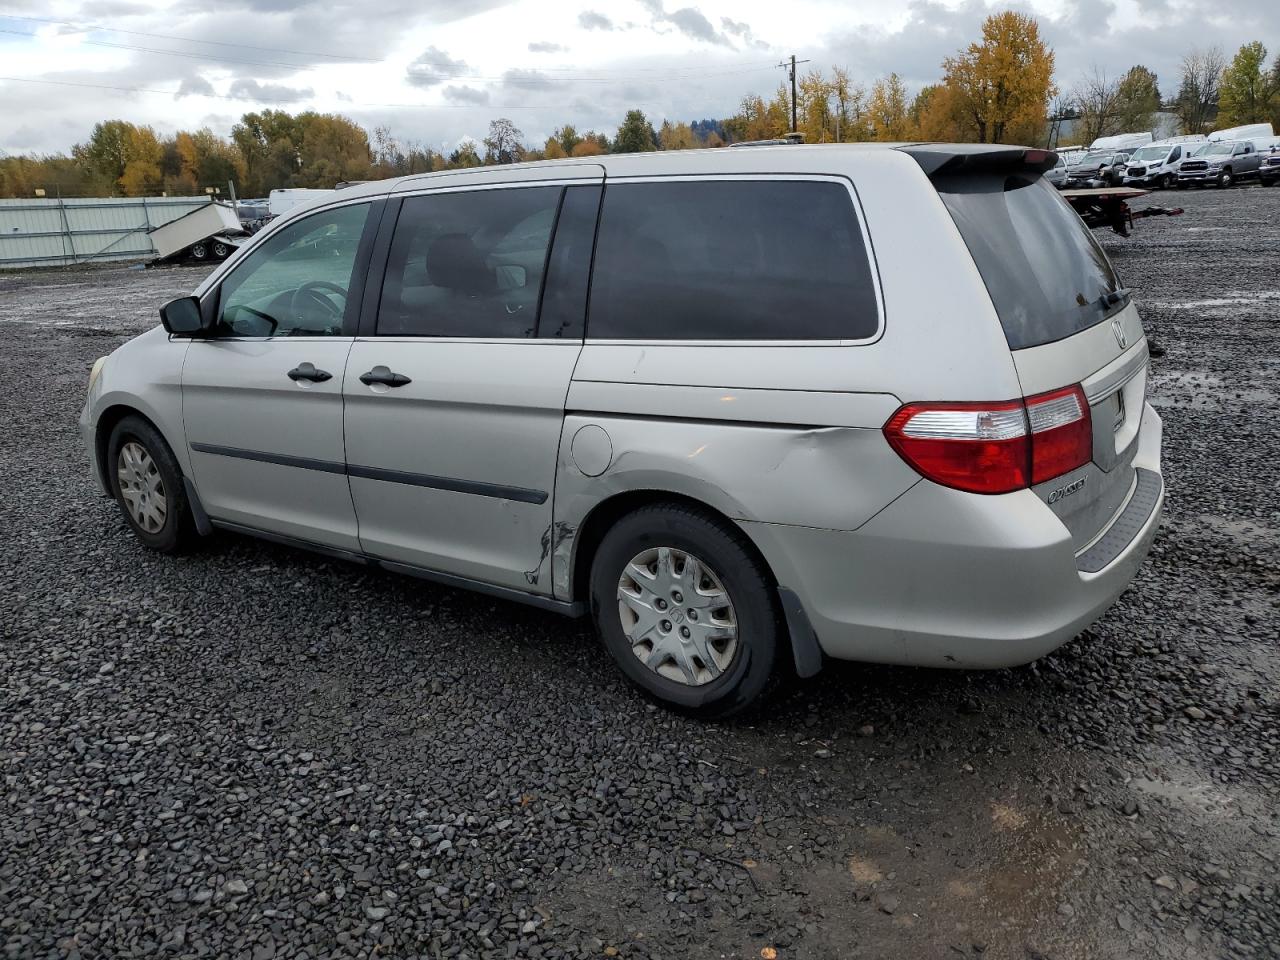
(296, 283)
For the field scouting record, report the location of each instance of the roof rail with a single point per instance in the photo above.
(793, 137)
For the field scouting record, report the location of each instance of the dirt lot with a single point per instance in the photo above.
(252, 752)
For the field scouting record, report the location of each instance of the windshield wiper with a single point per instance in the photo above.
(1116, 296)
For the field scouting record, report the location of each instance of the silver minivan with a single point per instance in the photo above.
(748, 409)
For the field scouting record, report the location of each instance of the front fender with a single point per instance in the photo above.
(145, 374)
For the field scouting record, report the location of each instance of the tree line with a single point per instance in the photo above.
(1000, 88)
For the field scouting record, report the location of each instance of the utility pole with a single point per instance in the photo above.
(791, 69)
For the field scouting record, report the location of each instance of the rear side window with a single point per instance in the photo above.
(731, 260)
(1047, 276)
(468, 264)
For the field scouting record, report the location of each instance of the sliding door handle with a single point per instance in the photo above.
(308, 371)
(383, 375)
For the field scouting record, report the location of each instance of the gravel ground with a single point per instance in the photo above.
(252, 752)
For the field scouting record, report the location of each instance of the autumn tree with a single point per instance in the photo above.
(1197, 101)
(503, 144)
(1137, 100)
(677, 136)
(1096, 103)
(1003, 85)
(636, 135)
(592, 144)
(1248, 94)
(887, 109)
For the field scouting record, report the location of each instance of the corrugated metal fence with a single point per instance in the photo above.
(52, 232)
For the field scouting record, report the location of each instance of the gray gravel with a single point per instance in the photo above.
(251, 752)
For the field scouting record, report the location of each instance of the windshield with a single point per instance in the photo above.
(1046, 274)
(1215, 150)
(1150, 153)
(1094, 158)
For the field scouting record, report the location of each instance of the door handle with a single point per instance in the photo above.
(383, 375)
(308, 371)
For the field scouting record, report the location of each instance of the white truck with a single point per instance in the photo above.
(1250, 131)
(1120, 142)
(209, 232)
(278, 201)
(1156, 164)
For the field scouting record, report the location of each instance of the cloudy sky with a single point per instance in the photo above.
(436, 71)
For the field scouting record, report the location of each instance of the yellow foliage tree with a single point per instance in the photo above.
(677, 136)
(887, 109)
(1002, 85)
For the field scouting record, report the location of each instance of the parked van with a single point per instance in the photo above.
(1250, 131)
(1128, 142)
(285, 199)
(741, 407)
(1156, 165)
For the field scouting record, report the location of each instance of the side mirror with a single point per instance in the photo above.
(182, 317)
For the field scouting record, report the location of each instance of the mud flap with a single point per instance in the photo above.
(804, 642)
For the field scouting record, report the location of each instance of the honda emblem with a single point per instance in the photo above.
(1118, 329)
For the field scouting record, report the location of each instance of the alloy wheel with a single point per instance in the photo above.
(141, 488)
(677, 615)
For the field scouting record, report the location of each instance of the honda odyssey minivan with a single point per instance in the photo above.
(744, 408)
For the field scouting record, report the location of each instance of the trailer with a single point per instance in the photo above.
(1109, 207)
(211, 231)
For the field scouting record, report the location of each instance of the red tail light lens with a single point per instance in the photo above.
(1061, 433)
(995, 447)
(979, 447)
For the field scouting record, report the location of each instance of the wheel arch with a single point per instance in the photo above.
(586, 539)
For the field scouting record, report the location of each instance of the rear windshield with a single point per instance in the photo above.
(1046, 274)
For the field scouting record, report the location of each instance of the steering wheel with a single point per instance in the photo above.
(311, 291)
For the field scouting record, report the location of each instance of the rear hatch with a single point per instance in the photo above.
(1066, 317)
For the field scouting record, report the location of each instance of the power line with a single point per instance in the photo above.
(298, 100)
(170, 36)
(511, 78)
(440, 65)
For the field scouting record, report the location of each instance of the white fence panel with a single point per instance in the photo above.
(52, 232)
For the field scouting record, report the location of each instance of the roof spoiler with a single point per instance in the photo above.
(947, 159)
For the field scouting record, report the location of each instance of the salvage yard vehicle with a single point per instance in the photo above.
(1156, 165)
(1269, 167)
(1098, 168)
(1222, 163)
(209, 232)
(702, 396)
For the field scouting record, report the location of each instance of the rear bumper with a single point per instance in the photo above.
(950, 579)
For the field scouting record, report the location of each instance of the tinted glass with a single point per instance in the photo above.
(731, 260)
(564, 296)
(1046, 274)
(295, 283)
(468, 264)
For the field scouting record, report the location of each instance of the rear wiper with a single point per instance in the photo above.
(1113, 297)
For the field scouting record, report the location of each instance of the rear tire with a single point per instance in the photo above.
(147, 483)
(199, 251)
(221, 250)
(679, 576)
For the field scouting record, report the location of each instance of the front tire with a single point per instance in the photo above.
(147, 484)
(686, 609)
(1224, 179)
(1167, 181)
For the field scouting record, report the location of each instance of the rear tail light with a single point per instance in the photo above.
(995, 447)
(1061, 433)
